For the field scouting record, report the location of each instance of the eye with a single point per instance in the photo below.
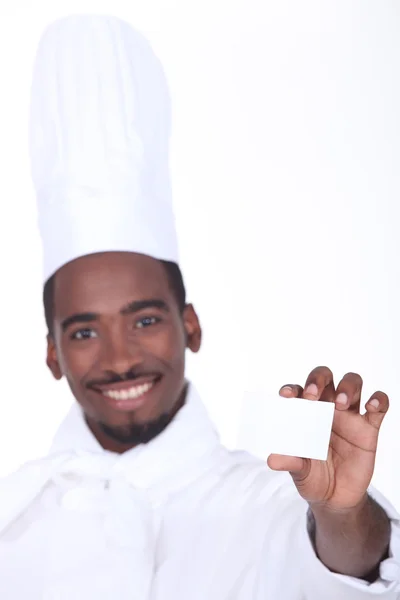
(83, 334)
(147, 322)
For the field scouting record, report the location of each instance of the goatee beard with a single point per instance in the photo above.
(135, 434)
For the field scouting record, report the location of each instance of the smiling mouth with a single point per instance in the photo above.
(136, 391)
(128, 393)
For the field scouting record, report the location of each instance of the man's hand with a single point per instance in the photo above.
(352, 532)
(342, 481)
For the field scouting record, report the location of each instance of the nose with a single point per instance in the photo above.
(120, 355)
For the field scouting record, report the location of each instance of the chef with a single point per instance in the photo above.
(137, 498)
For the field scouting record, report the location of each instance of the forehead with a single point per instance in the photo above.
(105, 282)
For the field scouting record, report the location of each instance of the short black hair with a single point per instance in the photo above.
(175, 280)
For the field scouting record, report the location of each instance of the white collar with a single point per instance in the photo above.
(188, 440)
(74, 434)
(171, 461)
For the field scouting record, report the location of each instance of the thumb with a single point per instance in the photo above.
(298, 467)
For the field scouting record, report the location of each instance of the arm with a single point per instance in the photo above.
(352, 542)
(350, 557)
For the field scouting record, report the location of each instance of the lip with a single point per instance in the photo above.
(128, 404)
(126, 385)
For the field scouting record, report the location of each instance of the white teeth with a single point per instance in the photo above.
(133, 392)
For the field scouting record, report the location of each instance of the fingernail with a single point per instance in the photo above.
(375, 403)
(287, 390)
(342, 399)
(311, 390)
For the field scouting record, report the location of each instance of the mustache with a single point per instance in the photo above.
(130, 375)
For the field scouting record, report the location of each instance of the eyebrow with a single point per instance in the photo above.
(138, 305)
(129, 309)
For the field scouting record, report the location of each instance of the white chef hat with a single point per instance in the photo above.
(99, 141)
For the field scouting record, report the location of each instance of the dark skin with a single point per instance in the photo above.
(117, 322)
(116, 318)
(352, 532)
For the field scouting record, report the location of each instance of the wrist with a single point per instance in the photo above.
(323, 510)
(352, 540)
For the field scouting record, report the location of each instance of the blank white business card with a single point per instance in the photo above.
(270, 424)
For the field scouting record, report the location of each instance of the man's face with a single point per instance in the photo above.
(120, 340)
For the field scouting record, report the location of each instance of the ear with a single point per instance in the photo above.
(192, 328)
(52, 360)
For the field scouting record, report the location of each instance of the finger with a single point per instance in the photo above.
(348, 393)
(329, 393)
(291, 391)
(293, 464)
(377, 407)
(319, 379)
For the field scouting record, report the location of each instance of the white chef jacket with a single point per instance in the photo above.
(180, 518)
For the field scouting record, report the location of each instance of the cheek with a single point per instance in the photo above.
(75, 362)
(167, 344)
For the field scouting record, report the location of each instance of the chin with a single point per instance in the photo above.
(135, 433)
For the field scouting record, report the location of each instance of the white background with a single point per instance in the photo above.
(285, 159)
